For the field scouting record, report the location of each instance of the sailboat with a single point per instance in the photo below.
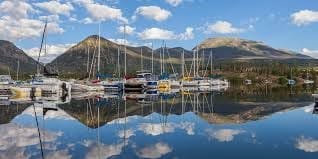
(291, 81)
(196, 80)
(42, 84)
(307, 81)
(5, 83)
(142, 79)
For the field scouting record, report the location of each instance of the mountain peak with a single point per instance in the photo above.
(237, 48)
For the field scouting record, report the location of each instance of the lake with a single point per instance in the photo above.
(241, 122)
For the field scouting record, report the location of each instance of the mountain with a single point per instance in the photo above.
(235, 48)
(9, 57)
(75, 60)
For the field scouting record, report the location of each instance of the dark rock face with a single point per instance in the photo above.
(9, 57)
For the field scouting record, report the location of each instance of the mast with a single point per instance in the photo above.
(211, 62)
(18, 69)
(141, 62)
(152, 57)
(118, 62)
(194, 69)
(125, 49)
(197, 62)
(163, 57)
(38, 61)
(98, 58)
(87, 65)
(182, 64)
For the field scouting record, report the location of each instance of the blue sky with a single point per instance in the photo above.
(285, 24)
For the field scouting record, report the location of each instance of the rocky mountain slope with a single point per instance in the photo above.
(235, 48)
(9, 57)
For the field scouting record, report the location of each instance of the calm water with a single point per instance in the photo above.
(237, 123)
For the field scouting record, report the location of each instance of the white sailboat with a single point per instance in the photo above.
(307, 81)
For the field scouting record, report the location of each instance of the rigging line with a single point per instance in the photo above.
(206, 67)
(169, 59)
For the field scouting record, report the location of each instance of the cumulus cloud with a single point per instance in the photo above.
(162, 34)
(304, 17)
(154, 151)
(307, 144)
(96, 150)
(222, 27)
(53, 51)
(99, 12)
(187, 35)
(126, 133)
(223, 135)
(153, 12)
(174, 3)
(18, 29)
(311, 53)
(59, 114)
(19, 137)
(56, 8)
(16, 9)
(157, 34)
(129, 30)
(156, 129)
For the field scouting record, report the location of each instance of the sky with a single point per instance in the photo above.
(282, 24)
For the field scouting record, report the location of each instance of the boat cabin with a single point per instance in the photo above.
(6, 80)
(248, 82)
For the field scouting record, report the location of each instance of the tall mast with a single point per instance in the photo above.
(98, 58)
(197, 61)
(163, 57)
(118, 62)
(125, 59)
(152, 57)
(182, 64)
(87, 65)
(211, 62)
(141, 62)
(193, 61)
(18, 69)
(43, 36)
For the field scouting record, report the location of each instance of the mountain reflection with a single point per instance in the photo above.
(158, 126)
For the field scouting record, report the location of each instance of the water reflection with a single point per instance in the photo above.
(237, 123)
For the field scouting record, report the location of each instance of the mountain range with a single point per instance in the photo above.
(78, 59)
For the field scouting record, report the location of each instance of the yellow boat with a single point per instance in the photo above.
(21, 92)
(164, 85)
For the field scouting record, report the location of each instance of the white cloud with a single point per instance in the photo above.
(56, 8)
(100, 12)
(187, 35)
(223, 135)
(157, 34)
(126, 133)
(59, 114)
(174, 3)
(156, 129)
(154, 151)
(304, 17)
(153, 12)
(53, 51)
(99, 150)
(222, 27)
(18, 29)
(50, 18)
(17, 136)
(162, 34)
(311, 53)
(307, 144)
(16, 9)
(129, 30)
